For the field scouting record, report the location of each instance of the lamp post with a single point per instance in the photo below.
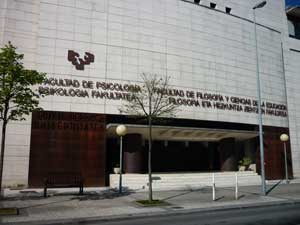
(121, 131)
(284, 138)
(261, 141)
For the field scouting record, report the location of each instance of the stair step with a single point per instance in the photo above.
(181, 181)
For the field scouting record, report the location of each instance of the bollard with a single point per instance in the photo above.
(236, 187)
(213, 187)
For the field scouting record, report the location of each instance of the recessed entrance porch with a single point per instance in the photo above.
(182, 157)
(181, 149)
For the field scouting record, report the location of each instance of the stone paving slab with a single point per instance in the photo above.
(103, 203)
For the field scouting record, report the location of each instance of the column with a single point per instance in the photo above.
(227, 154)
(133, 155)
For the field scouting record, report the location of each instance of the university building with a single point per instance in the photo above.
(94, 52)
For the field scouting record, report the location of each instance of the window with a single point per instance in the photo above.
(293, 16)
(291, 28)
(227, 10)
(196, 1)
(213, 5)
(294, 24)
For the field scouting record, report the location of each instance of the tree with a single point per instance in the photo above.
(17, 98)
(151, 102)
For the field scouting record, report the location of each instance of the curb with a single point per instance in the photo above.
(86, 220)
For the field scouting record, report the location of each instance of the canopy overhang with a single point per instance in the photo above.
(170, 133)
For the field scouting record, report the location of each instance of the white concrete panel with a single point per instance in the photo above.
(201, 49)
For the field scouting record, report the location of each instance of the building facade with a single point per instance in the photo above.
(94, 51)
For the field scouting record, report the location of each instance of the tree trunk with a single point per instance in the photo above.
(149, 158)
(2, 154)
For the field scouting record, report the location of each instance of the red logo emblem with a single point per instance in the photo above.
(78, 62)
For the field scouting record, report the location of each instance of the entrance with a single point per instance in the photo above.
(181, 149)
(179, 156)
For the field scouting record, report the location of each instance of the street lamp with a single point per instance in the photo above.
(284, 138)
(121, 131)
(261, 141)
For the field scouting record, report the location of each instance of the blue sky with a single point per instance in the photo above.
(292, 2)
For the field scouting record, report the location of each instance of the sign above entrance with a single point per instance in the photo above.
(185, 98)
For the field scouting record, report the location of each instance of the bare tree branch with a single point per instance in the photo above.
(151, 101)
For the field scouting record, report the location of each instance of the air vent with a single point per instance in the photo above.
(228, 10)
(213, 5)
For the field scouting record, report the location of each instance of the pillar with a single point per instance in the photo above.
(214, 164)
(133, 155)
(250, 149)
(227, 154)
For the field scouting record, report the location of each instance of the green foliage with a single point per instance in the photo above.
(17, 98)
(246, 161)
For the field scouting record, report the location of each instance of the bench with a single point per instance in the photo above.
(63, 180)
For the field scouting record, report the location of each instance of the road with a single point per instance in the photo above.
(272, 215)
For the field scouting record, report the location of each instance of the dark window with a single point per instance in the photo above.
(228, 10)
(197, 1)
(294, 26)
(213, 5)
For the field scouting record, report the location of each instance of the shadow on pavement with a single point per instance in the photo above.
(24, 196)
(245, 193)
(240, 197)
(273, 187)
(36, 199)
(107, 194)
(177, 195)
(205, 190)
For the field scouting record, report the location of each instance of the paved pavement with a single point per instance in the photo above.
(272, 215)
(64, 205)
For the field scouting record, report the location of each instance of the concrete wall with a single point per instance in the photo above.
(201, 49)
(18, 24)
(292, 66)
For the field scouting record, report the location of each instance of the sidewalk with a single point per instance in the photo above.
(64, 205)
